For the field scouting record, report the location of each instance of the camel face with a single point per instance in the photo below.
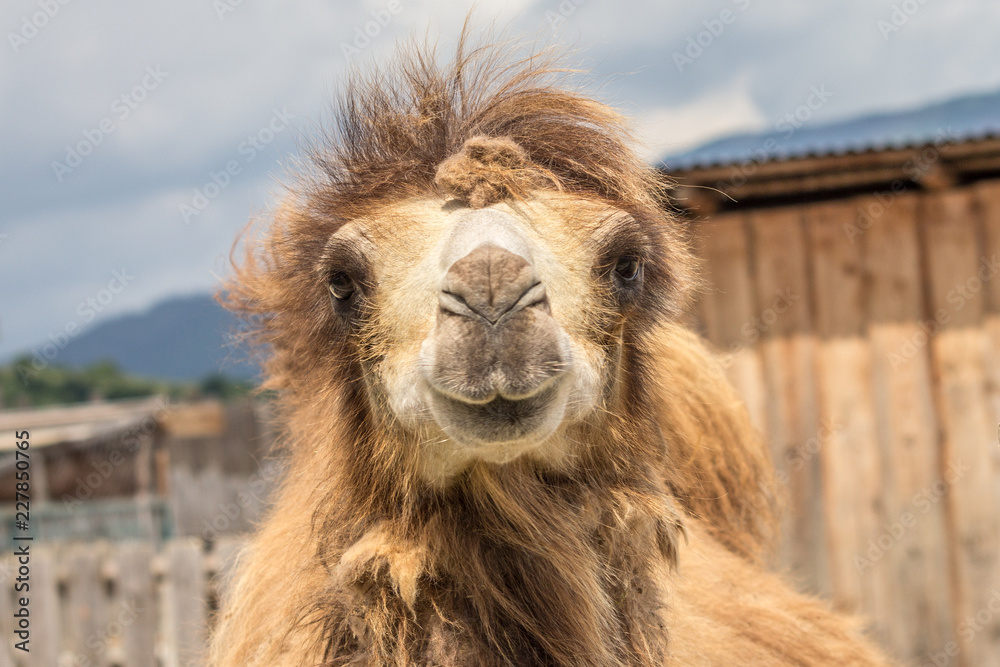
(496, 327)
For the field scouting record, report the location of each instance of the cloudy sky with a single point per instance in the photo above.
(116, 115)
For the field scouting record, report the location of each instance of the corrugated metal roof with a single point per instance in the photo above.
(962, 119)
(89, 422)
(79, 423)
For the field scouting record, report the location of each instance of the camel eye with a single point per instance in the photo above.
(628, 268)
(341, 285)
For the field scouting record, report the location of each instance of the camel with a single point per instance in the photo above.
(503, 447)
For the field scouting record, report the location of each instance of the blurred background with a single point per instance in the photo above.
(839, 164)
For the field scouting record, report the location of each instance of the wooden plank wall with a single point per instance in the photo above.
(864, 334)
(105, 604)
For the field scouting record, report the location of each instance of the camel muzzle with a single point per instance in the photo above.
(495, 359)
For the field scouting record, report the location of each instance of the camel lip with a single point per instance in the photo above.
(499, 397)
(502, 408)
(499, 420)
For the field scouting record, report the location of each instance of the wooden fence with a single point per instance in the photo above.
(120, 604)
(864, 334)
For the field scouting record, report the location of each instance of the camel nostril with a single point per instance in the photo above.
(489, 282)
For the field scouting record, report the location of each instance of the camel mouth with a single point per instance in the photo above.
(501, 419)
(487, 391)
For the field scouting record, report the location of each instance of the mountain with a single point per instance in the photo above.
(957, 119)
(183, 338)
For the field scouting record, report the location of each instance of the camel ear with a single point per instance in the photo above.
(487, 170)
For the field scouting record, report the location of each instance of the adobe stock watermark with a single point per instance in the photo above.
(914, 169)
(921, 502)
(31, 24)
(802, 114)
(788, 124)
(957, 298)
(797, 457)
(751, 331)
(253, 497)
(87, 311)
(365, 33)
(121, 108)
(970, 626)
(899, 16)
(100, 642)
(703, 40)
(223, 7)
(248, 150)
(759, 325)
(557, 18)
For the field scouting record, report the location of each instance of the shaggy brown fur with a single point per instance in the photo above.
(362, 562)
(489, 170)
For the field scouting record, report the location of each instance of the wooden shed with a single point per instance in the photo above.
(855, 299)
(146, 469)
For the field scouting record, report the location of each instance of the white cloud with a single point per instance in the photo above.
(672, 129)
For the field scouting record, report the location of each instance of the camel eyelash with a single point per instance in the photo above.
(342, 263)
(628, 248)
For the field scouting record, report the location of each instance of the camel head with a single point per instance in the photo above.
(492, 329)
(478, 267)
